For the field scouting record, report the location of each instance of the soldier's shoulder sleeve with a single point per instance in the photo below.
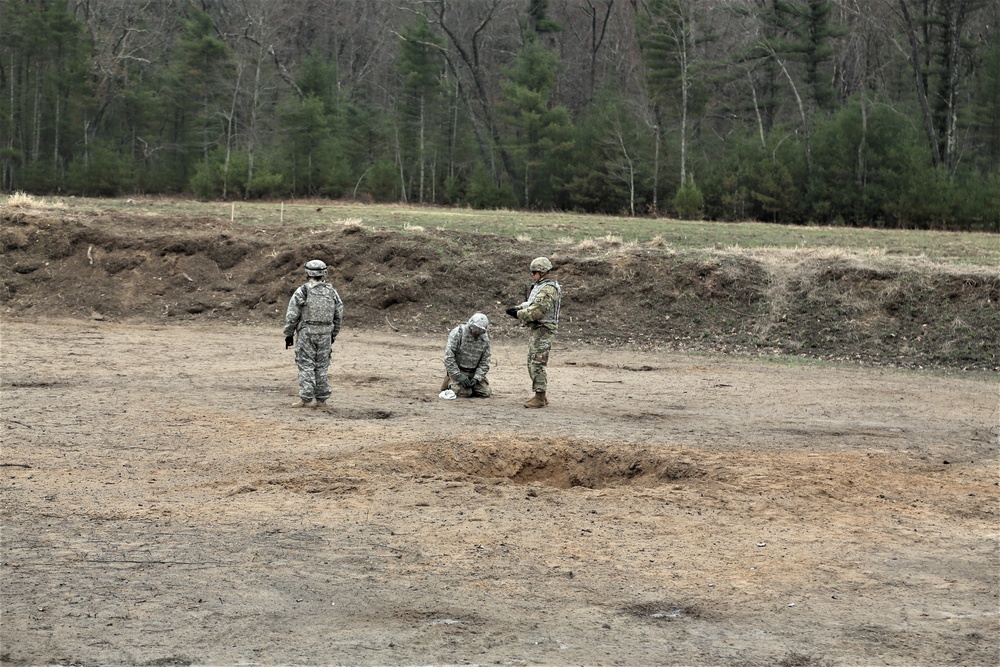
(548, 295)
(450, 347)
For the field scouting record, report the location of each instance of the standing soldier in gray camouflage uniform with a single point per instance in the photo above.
(467, 358)
(312, 323)
(541, 313)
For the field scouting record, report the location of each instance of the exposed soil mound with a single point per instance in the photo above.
(146, 268)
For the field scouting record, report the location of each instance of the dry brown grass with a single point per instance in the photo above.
(24, 201)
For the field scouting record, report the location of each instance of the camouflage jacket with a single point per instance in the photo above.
(463, 350)
(542, 305)
(315, 308)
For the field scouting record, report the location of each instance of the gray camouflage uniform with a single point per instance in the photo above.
(314, 334)
(467, 355)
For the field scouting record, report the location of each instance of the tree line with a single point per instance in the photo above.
(853, 112)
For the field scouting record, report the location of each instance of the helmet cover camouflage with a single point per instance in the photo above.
(541, 264)
(315, 268)
(479, 321)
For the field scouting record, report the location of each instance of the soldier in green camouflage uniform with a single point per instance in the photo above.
(467, 358)
(312, 322)
(541, 313)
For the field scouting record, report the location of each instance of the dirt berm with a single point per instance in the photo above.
(144, 267)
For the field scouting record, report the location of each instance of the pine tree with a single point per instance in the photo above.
(540, 135)
(46, 92)
(421, 66)
(668, 39)
(985, 119)
(196, 90)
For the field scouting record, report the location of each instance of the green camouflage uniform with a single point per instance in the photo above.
(541, 313)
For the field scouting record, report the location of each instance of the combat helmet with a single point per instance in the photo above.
(315, 268)
(479, 321)
(541, 264)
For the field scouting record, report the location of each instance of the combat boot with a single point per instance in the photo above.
(300, 404)
(538, 401)
(319, 405)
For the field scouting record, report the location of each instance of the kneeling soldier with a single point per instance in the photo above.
(467, 358)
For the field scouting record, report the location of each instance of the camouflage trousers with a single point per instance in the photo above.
(538, 356)
(478, 390)
(312, 358)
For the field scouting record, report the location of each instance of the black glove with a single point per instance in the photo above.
(466, 381)
(512, 312)
(289, 341)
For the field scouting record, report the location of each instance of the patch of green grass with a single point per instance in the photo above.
(959, 247)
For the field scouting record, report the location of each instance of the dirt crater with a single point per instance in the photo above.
(563, 464)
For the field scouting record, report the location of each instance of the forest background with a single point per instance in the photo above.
(856, 112)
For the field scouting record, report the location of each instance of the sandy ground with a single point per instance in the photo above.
(163, 505)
